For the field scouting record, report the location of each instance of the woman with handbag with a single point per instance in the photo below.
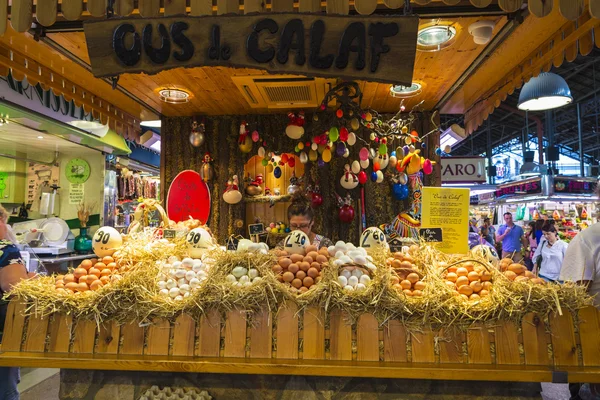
(549, 255)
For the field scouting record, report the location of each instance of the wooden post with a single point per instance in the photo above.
(340, 336)
(507, 343)
(209, 334)
(158, 338)
(287, 331)
(261, 335)
(314, 334)
(184, 333)
(235, 334)
(534, 340)
(133, 339)
(589, 335)
(84, 337)
(108, 338)
(367, 338)
(564, 345)
(422, 347)
(13, 326)
(60, 333)
(394, 341)
(35, 339)
(478, 344)
(451, 346)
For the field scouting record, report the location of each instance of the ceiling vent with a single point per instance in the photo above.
(283, 91)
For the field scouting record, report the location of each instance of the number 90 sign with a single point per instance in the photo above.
(106, 240)
(198, 240)
(373, 239)
(295, 242)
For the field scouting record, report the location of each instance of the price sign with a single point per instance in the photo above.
(169, 233)
(373, 239)
(255, 229)
(188, 197)
(295, 242)
(395, 245)
(232, 244)
(431, 234)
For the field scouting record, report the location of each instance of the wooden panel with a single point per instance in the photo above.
(123, 7)
(309, 5)
(209, 336)
(71, 9)
(35, 339)
(235, 334)
(571, 50)
(184, 332)
(97, 8)
(589, 328)
(174, 7)
(287, 331)
(507, 343)
(337, 7)
(314, 334)
(3, 16)
(149, 8)
(13, 326)
(451, 346)
(45, 12)
(540, 8)
(534, 340)
(255, 6)
(367, 338)
(393, 4)
(157, 342)
(108, 338)
(60, 333)
(261, 335)
(133, 339)
(571, 9)
(422, 347)
(21, 15)
(510, 5)
(340, 336)
(451, 2)
(481, 3)
(478, 345)
(200, 7)
(586, 42)
(84, 336)
(227, 7)
(564, 346)
(595, 8)
(365, 7)
(394, 341)
(282, 5)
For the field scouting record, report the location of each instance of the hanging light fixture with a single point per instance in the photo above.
(174, 96)
(435, 37)
(406, 91)
(545, 92)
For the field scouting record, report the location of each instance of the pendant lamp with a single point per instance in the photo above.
(545, 92)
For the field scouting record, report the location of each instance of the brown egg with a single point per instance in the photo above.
(100, 265)
(293, 268)
(487, 285)
(394, 279)
(402, 276)
(97, 284)
(79, 272)
(469, 266)
(462, 281)
(104, 279)
(396, 264)
(473, 276)
(408, 257)
(280, 277)
(107, 260)
(308, 259)
(485, 276)
(413, 249)
(466, 290)
(316, 265)
(288, 276)
(420, 285)
(406, 285)
(105, 272)
(510, 275)
(318, 279)
(321, 259)
(69, 291)
(538, 281)
(297, 283)
(474, 297)
(313, 255)
(284, 262)
(397, 286)
(71, 286)
(462, 271)
(483, 293)
(296, 258)
(95, 271)
(82, 287)
(308, 281)
(452, 277)
(61, 291)
(399, 255)
(451, 285)
(277, 269)
(323, 251)
(59, 281)
(530, 274)
(300, 274)
(86, 264)
(389, 261)
(442, 264)
(303, 289)
(304, 266)
(82, 279)
(521, 279)
(412, 277)
(517, 268)
(115, 278)
(94, 260)
(91, 278)
(310, 248)
(59, 285)
(112, 266)
(476, 286)
(408, 292)
(406, 264)
(281, 253)
(312, 272)
(417, 293)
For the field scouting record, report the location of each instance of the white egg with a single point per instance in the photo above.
(247, 283)
(348, 287)
(244, 279)
(346, 259)
(162, 277)
(362, 250)
(178, 298)
(231, 278)
(353, 253)
(405, 249)
(353, 281)
(365, 279)
(187, 262)
(331, 250)
(263, 251)
(197, 266)
(252, 273)
(172, 259)
(202, 275)
(360, 259)
(239, 271)
(164, 292)
(350, 246)
(194, 283)
(162, 285)
(171, 284)
(340, 243)
(257, 279)
(339, 254)
(360, 286)
(369, 259)
(357, 273)
(372, 266)
(174, 292)
(338, 262)
(237, 284)
(180, 273)
(346, 274)
(186, 294)
(172, 273)
(189, 275)
(181, 281)
(184, 288)
(342, 280)
(176, 264)
(166, 268)
(341, 247)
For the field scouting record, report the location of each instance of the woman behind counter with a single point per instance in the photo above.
(301, 216)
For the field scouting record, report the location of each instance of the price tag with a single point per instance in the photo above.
(431, 234)
(232, 244)
(255, 229)
(295, 242)
(395, 245)
(169, 233)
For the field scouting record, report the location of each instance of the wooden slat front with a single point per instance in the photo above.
(235, 334)
(3, 16)
(174, 7)
(595, 8)
(45, 12)
(35, 338)
(540, 8)
(132, 339)
(84, 337)
(149, 8)
(394, 341)
(200, 7)
(108, 338)
(589, 335)
(422, 344)
(510, 5)
(13, 326)
(123, 7)
(365, 7)
(564, 346)
(261, 335)
(209, 334)
(571, 50)
(21, 15)
(586, 42)
(184, 333)
(367, 338)
(60, 333)
(309, 5)
(340, 336)
(157, 342)
(97, 8)
(534, 340)
(478, 345)
(227, 7)
(287, 331)
(451, 346)
(571, 9)
(71, 9)
(338, 7)
(282, 5)
(314, 334)
(507, 343)
(481, 3)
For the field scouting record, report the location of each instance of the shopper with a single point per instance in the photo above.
(512, 238)
(538, 230)
(549, 256)
(488, 232)
(12, 270)
(532, 245)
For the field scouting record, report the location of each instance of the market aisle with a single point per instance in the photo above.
(555, 391)
(39, 383)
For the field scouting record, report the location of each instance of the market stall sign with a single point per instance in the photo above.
(566, 185)
(188, 197)
(518, 188)
(431, 234)
(463, 169)
(375, 48)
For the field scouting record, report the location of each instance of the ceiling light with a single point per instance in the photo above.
(435, 38)
(545, 92)
(40, 137)
(151, 124)
(406, 91)
(174, 96)
(482, 31)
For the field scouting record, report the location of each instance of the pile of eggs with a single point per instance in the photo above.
(242, 276)
(354, 278)
(347, 253)
(405, 277)
(401, 260)
(178, 279)
(91, 274)
(518, 272)
(276, 228)
(469, 282)
(168, 393)
(301, 271)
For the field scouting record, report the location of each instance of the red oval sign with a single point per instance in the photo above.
(188, 197)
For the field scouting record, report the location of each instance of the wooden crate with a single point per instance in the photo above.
(310, 343)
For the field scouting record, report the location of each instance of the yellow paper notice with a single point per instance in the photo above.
(448, 209)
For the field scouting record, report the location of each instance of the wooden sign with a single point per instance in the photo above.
(375, 48)
(255, 229)
(431, 234)
(188, 197)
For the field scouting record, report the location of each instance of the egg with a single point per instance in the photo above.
(178, 298)
(171, 283)
(284, 262)
(82, 287)
(466, 290)
(360, 286)
(308, 281)
(181, 281)
(357, 273)
(187, 262)
(162, 285)
(312, 272)
(86, 264)
(176, 265)
(462, 281)
(405, 285)
(180, 273)
(473, 276)
(353, 281)
(304, 266)
(90, 278)
(174, 292)
(345, 273)
(184, 288)
(252, 273)
(339, 254)
(202, 275)
(345, 259)
(194, 283)
(172, 259)
(342, 280)
(297, 283)
(365, 279)
(300, 274)
(68, 278)
(244, 279)
(412, 277)
(360, 259)
(189, 275)
(71, 285)
(288, 276)
(419, 285)
(97, 284)
(293, 268)
(296, 258)
(197, 265)
(256, 279)
(348, 287)
(231, 278)
(164, 292)
(246, 284)
(186, 294)
(79, 272)
(338, 263)
(452, 277)
(321, 259)
(239, 271)
(462, 271)
(331, 250)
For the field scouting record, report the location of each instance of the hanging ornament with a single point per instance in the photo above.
(339, 113)
(438, 151)
(326, 156)
(315, 197)
(376, 166)
(351, 139)
(340, 149)
(320, 163)
(354, 124)
(368, 117)
(355, 167)
(344, 134)
(372, 136)
(264, 162)
(405, 150)
(362, 177)
(364, 164)
(254, 188)
(261, 152)
(346, 212)
(382, 159)
(372, 153)
(349, 180)
(291, 162)
(334, 134)
(284, 159)
(295, 127)
(403, 178)
(411, 149)
(312, 155)
(447, 149)
(206, 171)
(407, 140)
(232, 193)
(346, 153)
(374, 176)
(423, 145)
(379, 176)
(321, 148)
(415, 136)
(197, 134)
(255, 136)
(314, 146)
(300, 145)
(400, 191)
(383, 148)
(427, 167)
(293, 188)
(303, 158)
(244, 139)
(393, 161)
(363, 154)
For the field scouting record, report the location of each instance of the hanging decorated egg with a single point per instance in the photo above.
(255, 136)
(320, 163)
(346, 153)
(400, 191)
(354, 124)
(351, 139)
(277, 172)
(376, 166)
(372, 153)
(199, 241)
(326, 156)
(106, 240)
(246, 144)
(374, 176)
(393, 161)
(296, 242)
(403, 178)
(363, 154)
(284, 159)
(339, 113)
(314, 146)
(312, 155)
(316, 199)
(349, 180)
(379, 176)
(355, 167)
(438, 151)
(291, 162)
(447, 149)
(344, 134)
(264, 162)
(334, 134)
(261, 151)
(206, 171)
(408, 140)
(295, 128)
(303, 158)
(362, 177)
(382, 159)
(364, 164)
(373, 240)
(346, 213)
(340, 149)
(427, 167)
(232, 193)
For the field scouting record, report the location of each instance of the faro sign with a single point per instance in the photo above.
(463, 169)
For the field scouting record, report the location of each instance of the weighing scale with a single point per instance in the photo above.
(46, 236)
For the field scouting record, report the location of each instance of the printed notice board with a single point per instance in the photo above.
(448, 209)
